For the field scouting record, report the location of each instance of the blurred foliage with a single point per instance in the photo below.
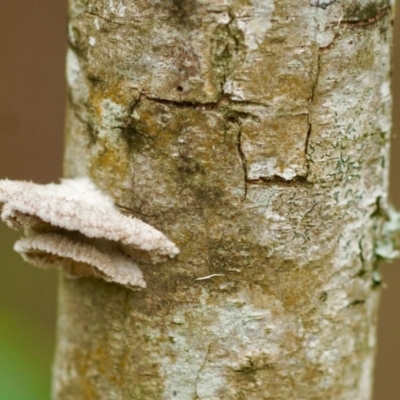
(23, 370)
(27, 324)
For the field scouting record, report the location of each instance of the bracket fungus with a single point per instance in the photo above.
(75, 226)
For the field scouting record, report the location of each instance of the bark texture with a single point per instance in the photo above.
(254, 134)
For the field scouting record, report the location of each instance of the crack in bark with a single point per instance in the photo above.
(224, 100)
(243, 159)
(356, 302)
(200, 370)
(184, 104)
(104, 18)
(348, 24)
(368, 21)
(362, 259)
(310, 106)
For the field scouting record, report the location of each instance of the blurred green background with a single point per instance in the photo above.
(32, 101)
(27, 313)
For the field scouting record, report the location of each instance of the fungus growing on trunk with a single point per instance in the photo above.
(75, 226)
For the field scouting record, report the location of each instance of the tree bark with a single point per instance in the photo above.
(254, 134)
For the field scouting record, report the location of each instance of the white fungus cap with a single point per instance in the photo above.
(84, 220)
(54, 250)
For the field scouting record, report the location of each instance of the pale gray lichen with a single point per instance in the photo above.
(387, 247)
(76, 226)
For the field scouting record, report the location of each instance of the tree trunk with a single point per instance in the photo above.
(254, 134)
